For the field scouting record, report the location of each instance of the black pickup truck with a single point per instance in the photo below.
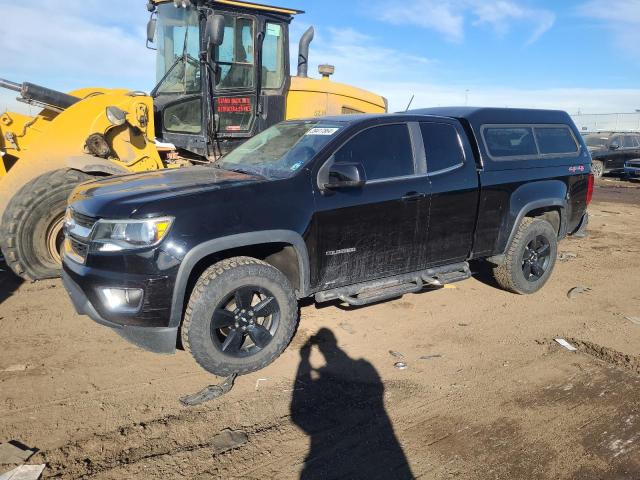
(354, 208)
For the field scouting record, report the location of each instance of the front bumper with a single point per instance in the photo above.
(156, 339)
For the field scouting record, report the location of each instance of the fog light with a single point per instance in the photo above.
(122, 300)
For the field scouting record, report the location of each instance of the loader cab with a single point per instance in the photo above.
(213, 93)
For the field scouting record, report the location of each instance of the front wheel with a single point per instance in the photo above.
(32, 225)
(241, 316)
(530, 258)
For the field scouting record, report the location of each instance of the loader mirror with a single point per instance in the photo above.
(215, 30)
(151, 29)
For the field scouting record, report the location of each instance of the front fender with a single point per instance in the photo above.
(217, 245)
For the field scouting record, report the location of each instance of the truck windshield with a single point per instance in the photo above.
(178, 36)
(282, 150)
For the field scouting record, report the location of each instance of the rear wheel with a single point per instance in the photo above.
(597, 168)
(241, 316)
(32, 234)
(530, 258)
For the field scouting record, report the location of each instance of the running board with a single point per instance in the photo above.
(395, 287)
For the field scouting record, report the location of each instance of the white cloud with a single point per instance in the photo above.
(76, 43)
(363, 61)
(572, 100)
(438, 15)
(448, 17)
(621, 19)
(357, 56)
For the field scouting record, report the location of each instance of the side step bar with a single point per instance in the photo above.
(395, 287)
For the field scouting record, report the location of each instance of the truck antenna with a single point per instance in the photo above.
(410, 102)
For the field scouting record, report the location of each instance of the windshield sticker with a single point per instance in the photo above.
(296, 166)
(273, 30)
(322, 131)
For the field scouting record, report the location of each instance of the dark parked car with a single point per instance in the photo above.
(355, 208)
(611, 150)
(632, 168)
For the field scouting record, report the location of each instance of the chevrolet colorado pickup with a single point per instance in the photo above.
(358, 209)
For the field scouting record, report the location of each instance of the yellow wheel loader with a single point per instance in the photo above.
(223, 76)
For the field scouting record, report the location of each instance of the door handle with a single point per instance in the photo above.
(412, 196)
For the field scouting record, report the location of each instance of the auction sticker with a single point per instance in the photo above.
(322, 131)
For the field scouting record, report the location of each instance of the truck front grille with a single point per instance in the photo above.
(84, 220)
(78, 231)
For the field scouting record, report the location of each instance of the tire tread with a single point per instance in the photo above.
(210, 275)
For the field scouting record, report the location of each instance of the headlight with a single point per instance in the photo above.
(116, 116)
(119, 235)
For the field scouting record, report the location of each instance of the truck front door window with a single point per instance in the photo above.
(384, 151)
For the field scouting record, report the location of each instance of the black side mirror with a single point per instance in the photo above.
(614, 147)
(214, 31)
(346, 175)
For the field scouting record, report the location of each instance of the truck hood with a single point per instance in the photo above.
(121, 196)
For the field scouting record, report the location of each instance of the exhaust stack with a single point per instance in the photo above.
(303, 52)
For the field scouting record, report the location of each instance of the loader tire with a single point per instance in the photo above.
(31, 232)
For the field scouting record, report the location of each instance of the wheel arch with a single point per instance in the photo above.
(546, 199)
(276, 247)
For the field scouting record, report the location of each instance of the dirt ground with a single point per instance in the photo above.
(487, 393)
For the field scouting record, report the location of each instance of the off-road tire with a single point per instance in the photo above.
(597, 168)
(28, 217)
(214, 285)
(509, 274)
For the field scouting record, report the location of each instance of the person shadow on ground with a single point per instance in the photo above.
(340, 406)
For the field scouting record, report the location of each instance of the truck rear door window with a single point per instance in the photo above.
(505, 142)
(556, 140)
(384, 151)
(442, 146)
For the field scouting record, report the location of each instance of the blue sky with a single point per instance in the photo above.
(578, 55)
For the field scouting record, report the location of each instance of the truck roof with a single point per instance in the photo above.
(483, 115)
(476, 116)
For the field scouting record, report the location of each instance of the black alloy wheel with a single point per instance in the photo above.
(245, 322)
(241, 315)
(530, 257)
(535, 259)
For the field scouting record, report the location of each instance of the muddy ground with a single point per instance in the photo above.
(487, 393)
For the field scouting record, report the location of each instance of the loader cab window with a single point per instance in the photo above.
(236, 56)
(178, 68)
(273, 56)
